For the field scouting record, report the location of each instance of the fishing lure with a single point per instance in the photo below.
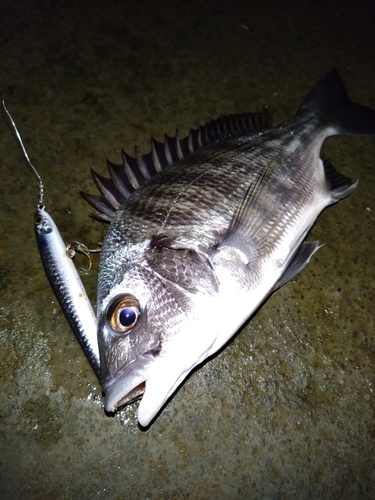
(61, 272)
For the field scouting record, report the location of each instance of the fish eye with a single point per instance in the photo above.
(123, 313)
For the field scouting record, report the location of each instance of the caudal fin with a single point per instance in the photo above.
(330, 99)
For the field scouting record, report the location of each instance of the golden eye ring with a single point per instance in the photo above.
(123, 313)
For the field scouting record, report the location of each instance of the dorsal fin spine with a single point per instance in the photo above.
(126, 159)
(167, 151)
(134, 172)
(142, 164)
(108, 192)
(180, 154)
(158, 155)
(190, 142)
(118, 180)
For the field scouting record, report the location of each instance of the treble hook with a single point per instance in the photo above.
(76, 246)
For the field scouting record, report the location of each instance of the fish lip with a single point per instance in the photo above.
(129, 385)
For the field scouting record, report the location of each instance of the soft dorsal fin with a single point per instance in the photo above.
(135, 171)
(340, 186)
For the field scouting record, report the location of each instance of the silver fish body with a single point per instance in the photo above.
(195, 250)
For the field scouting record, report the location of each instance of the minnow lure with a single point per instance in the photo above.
(61, 271)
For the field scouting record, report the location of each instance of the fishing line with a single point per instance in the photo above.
(31, 166)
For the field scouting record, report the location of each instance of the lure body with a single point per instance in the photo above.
(67, 285)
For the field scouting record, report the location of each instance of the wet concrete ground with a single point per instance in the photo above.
(287, 409)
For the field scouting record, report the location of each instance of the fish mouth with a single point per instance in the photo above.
(130, 385)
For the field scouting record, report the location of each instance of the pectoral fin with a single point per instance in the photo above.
(247, 229)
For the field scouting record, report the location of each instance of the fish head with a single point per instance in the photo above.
(153, 318)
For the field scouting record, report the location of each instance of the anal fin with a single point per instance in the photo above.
(298, 263)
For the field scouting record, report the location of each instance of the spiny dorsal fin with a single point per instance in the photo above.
(134, 172)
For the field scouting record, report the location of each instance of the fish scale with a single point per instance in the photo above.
(171, 203)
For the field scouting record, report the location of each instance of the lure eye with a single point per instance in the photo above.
(38, 220)
(123, 313)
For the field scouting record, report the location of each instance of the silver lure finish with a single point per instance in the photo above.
(67, 286)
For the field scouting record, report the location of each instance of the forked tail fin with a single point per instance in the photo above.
(330, 99)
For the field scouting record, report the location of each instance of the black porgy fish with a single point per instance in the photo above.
(202, 230)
